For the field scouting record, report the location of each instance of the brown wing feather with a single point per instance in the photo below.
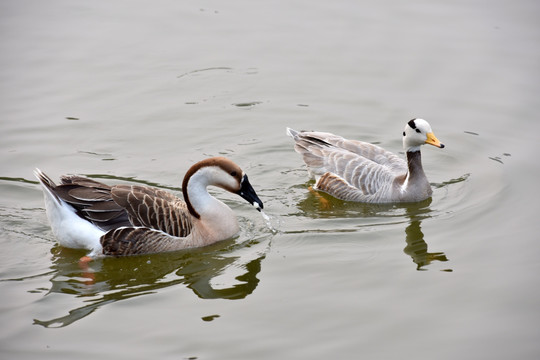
(131, 241)
(91, 200)
(154, 208)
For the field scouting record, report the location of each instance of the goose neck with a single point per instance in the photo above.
(194, 189)
(197, 198)
(414, 164)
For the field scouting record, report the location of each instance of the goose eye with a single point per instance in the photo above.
(418, 131)
(404, 133)
(233, 173)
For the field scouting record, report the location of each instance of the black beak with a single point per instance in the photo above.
(246, 191)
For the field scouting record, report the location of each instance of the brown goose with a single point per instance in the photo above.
(358, 171)
(134, 219)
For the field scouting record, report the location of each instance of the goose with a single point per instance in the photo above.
(134, 219)
(353, 170)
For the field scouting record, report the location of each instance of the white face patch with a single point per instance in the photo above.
(415, 136)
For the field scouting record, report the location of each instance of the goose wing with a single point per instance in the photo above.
(91, 200)
(348, 169)
(138, 240)
(154, 208)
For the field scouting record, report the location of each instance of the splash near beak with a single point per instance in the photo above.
(432, 140)
(247, 192)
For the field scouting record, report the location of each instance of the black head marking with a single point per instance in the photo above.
(412, 124)
(404, 133)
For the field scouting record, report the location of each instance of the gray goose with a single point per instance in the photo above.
(358, 171)
(133, 219)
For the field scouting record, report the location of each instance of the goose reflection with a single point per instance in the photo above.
(109, 280)
(321, 205)
(417, 248)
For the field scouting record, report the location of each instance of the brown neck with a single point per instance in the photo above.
(185, 193)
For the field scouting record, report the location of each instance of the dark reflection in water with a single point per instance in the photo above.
(416, 247)
(109, 280)
(321, 205)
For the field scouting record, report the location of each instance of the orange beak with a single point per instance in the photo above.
(432, 140)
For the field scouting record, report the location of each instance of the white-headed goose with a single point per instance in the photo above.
(134, 219)
(358, 171)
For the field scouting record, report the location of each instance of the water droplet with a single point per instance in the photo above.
(268, 222)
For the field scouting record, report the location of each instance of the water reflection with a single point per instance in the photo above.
(226, 270)
(416, 247)
(320, 205)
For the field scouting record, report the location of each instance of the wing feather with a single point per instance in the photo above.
(154, 208)
(349, 169)
(139, 240)
(338, 187)
(91, 200)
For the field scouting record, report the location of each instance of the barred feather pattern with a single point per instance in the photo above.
(348, 169)
(138, 240)
(154, 208)
(127, 213)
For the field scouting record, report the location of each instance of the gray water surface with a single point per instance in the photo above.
(136, 92)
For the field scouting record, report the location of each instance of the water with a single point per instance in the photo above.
(138, 92)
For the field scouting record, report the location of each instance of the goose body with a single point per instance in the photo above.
(358, 171)
(134, 219)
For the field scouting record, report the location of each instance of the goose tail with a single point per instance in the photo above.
(292, 133)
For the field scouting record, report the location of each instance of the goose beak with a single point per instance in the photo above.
(432, 140)
(247, 192)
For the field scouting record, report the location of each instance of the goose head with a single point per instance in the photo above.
(417, 133)
(220, 172)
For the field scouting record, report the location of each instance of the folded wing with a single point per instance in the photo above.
(154, 208)
(91, 200)
(138, 240)
(348, 169)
